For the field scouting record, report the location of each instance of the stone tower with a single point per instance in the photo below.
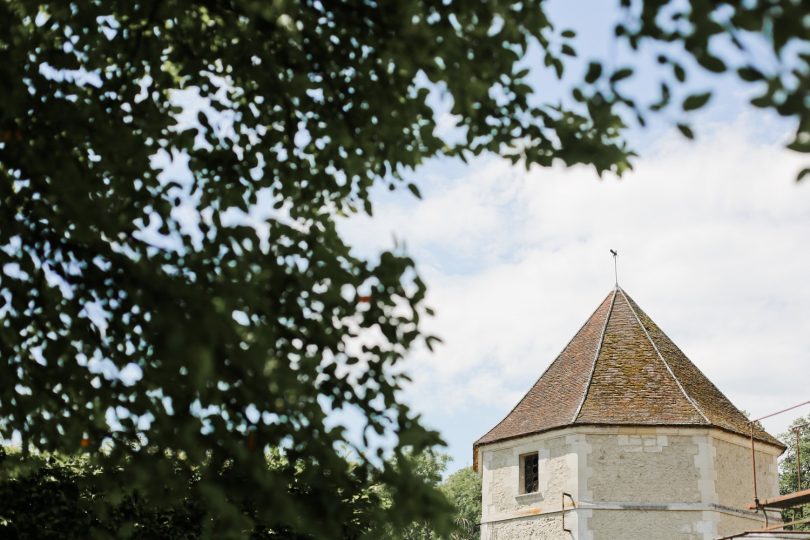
(624, 438)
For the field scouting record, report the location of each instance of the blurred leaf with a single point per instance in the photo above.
(621, 74)
(696, 101)
(686, 130)
(750, 74)
(594, 71)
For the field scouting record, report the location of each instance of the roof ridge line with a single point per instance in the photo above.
(542, 374)
(663, 360)
(596, 356)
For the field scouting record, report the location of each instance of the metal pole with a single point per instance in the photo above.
(615, 270)
(780, 412)
(798, 459)
(574, 504)
(754, 468)
(615, 267)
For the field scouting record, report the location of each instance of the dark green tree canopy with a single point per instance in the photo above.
(173, 287)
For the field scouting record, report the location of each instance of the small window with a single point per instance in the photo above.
(529, 473)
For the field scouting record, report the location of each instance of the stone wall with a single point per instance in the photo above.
(732, 463)
(501, 476)
(627, 482)
(646, 524)
(537, 528)
(728, 524)
(641, 465)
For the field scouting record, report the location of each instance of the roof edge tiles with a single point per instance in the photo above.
(582, 328)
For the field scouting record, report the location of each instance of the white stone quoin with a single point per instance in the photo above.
(632, 442)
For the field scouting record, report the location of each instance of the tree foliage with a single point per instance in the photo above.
(788, 479)
(461, 490)
(52, 497)
(63, 497)
(173, 285)
(60, 497)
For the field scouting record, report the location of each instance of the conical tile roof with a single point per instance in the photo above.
(621, 369)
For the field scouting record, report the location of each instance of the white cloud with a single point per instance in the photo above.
(713, 243)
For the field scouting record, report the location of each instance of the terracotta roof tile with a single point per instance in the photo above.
(716, 407)
(555, 397)
(620, 368)
(631, 384)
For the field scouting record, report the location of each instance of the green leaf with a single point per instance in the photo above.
(696, 101)
(686, 130)
(798, 145)
(750, 74)
(559, 69)
(679, 72)
(712, 63)
(664, 100)
(521, 73)
(763, 101)
(415, 190)
(621, 74)
(594, 72)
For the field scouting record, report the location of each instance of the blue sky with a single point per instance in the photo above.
(712, 238)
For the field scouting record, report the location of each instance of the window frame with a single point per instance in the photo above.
(523, 460)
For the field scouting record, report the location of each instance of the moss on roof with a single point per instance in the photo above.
(621, 369)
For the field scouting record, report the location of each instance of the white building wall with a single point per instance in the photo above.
(626, 482)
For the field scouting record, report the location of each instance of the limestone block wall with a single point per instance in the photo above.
(506, 514)
(647, 525)
(642, 465)
(540, 528)
(732, 465)
(626, 482)
(557, 466)
(727, 524)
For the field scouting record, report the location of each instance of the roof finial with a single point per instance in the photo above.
(615, 268)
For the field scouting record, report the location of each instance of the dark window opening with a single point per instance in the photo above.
(530, 474)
